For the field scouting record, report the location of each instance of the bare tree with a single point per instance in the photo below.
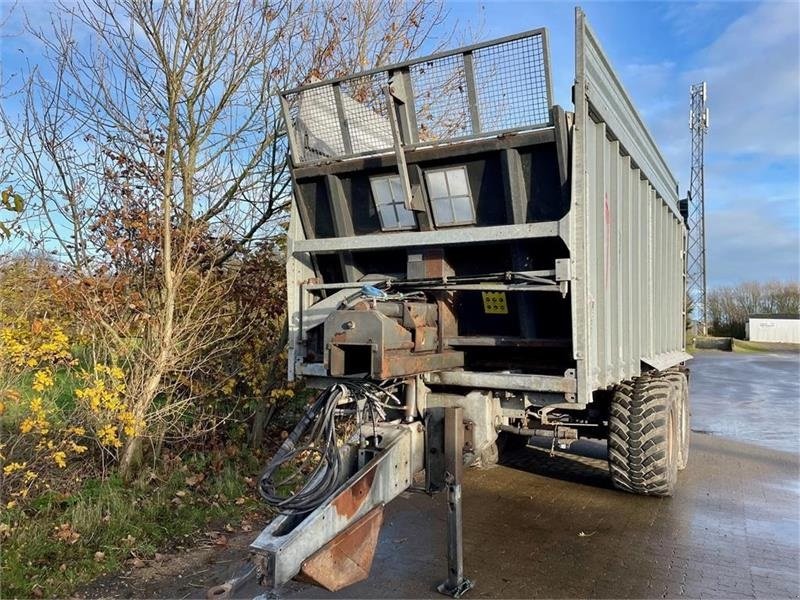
(153, 150)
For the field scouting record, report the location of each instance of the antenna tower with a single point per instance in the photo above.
(696, 259)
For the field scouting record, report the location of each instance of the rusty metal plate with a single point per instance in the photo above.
(347, 558)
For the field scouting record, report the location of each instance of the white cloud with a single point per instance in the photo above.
(753, 74)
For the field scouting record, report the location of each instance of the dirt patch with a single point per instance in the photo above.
(186, 573)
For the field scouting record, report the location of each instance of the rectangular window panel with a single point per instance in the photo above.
(442, 211)
(462, 209)
(450, 196)
(388, 196)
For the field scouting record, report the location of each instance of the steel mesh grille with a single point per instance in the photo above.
(511, 85)
(440, 99)
(349, 117)
(365, 111)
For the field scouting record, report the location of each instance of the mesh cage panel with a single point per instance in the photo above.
(440, 99)
(365, 111)
(511, 83)
(349, 117)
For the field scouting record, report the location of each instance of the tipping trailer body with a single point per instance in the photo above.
(498, 265)
(501, 180)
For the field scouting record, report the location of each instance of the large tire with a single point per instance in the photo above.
(679, 377)
(643, 436)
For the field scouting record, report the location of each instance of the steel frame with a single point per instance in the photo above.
(401, 70)
(285, 544)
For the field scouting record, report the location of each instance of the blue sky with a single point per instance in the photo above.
(750, 55)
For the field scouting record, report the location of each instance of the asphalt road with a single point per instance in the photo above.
(547, 527)
(748, 397)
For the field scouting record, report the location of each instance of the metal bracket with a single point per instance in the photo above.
(402, 167)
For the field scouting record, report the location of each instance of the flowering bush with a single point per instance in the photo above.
(47, 431)
(102, 401)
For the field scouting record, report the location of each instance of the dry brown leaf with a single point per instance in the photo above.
(221, 541)
(63, 567)
(137, 563)
(180, 493)
(240, 500)
(195, 479)
(99, 556)
(37, 592)
(66, 533)
(228, 527)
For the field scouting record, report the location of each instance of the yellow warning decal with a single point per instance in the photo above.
(494, 303)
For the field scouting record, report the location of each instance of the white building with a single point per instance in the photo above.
(774, 328)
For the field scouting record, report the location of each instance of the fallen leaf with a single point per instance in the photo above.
(193, 480)
(247, 527)
(37, 592)
(180, 493)
(228, 527)
(66, 533)
(240, 500)
(99, 556)
(221, 541)
(137, 563)
(63, 567)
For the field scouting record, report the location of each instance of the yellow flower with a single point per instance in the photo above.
(60, 458)
(26, 426)
(13, 467)
(108, 436)
(42, 380)
(77, 430)
(11, 504)
(36, 405)
(77, 448)
(30, 476)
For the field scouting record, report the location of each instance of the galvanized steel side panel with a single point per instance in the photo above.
(627, 236)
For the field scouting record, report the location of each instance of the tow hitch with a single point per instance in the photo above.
(329, 527)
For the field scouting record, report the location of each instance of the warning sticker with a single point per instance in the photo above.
(494, 303)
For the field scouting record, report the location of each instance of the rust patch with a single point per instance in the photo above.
(347, 558)
(350, 500)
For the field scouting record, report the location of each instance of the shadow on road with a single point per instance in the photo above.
(585, 462)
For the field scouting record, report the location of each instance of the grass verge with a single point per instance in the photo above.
(748, 346)
(60, 542)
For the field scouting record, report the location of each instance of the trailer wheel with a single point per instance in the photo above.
(643, 436)
(679, 376)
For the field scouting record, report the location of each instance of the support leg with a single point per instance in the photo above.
(456, 585)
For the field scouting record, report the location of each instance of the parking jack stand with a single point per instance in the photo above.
(456, 584)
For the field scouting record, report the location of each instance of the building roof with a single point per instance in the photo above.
(776, 316)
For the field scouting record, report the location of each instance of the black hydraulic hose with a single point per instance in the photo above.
(322, 481)
(315, 435)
